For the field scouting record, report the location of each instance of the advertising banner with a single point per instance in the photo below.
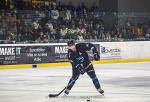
(125, 50)
(110, 51)
(12, 55)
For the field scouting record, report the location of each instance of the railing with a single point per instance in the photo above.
(65, 40)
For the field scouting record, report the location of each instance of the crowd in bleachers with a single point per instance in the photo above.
(53, 21)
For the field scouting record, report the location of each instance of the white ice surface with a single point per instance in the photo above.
(128, 82)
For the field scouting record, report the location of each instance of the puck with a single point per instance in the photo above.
(87, 100)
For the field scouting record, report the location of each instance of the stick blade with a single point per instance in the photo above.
(52, 95)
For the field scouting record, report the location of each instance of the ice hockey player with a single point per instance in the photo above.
(78, 56)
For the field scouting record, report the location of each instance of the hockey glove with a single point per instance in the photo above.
(96, 56)
(80, 68)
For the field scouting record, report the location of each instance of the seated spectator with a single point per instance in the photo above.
(67, 15)
(54, 12)
(81, 10)
(107, 37)
(94, 10)
(128, 30)
(139, 31)
(57, 36)
(133, 32)
(35, 31)
(49, 25)
(52, 35)
(42, 38)
(114, 30)
(72, 32)
(1, 34)
(63, 32)
(13, 23)
(83, 31)
(50, 30)
(148, 30)
(147, 36)
(80, 37)
(11, 38)
(99, 31)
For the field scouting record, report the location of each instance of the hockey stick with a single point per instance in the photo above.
(56, 95)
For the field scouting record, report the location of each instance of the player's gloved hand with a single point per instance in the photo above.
(80, 68)
(80, 59)
(96, 56)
